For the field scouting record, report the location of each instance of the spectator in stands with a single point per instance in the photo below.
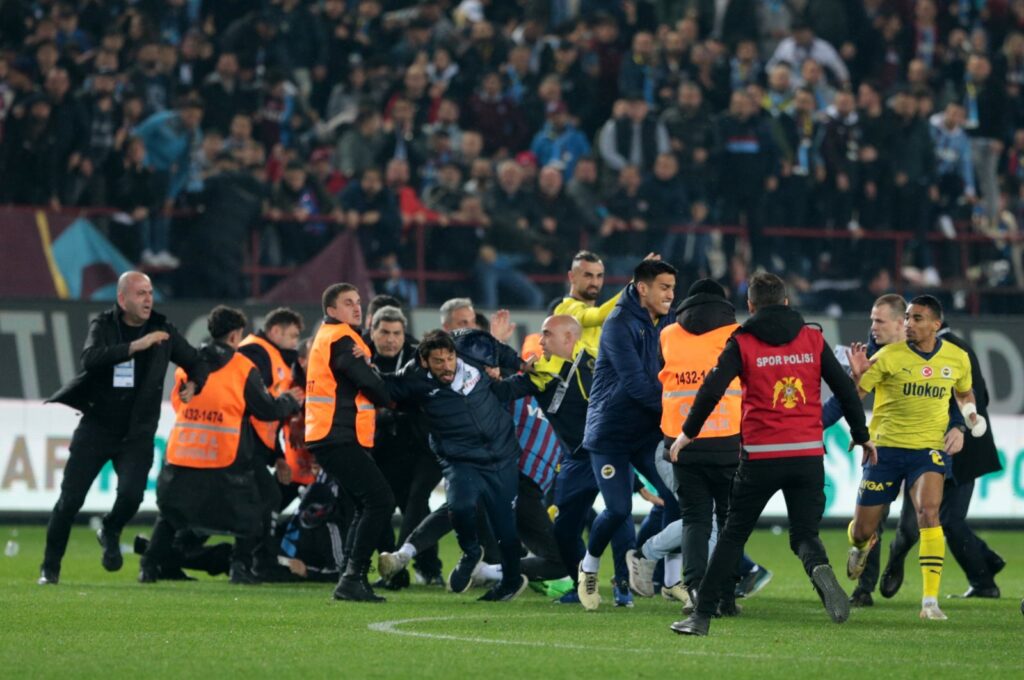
(802, 168)
(499, 118)
(987, 123)
(445, 196)
(225, 94)
(585, 192)
(403, 138)
(633, 139)
(955, 170)
(625, 231)
(508, 243)
(97, 124)
(691, 136)
(170, 138)
(410, 207)
(640, 71)
(137, 193)
(667, 205)
(358, 147)
(803, 45)
(560, 219)
(841, 153)
(371, 211)
(31, 146)
(559, 140)
(295, 201)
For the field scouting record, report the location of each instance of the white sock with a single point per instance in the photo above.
(929, 602)
(408, 549)
(673, 569)
(591, 564)
(490, 572)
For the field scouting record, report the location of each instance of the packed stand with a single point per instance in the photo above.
(514, 130)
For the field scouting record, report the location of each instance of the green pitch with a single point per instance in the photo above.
(96, 624)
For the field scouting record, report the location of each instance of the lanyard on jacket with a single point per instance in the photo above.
(563, 385)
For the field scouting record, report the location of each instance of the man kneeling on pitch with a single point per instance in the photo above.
(209, 482)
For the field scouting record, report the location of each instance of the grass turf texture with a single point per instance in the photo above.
(96, 624)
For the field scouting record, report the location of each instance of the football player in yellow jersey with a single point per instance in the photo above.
(912, 382)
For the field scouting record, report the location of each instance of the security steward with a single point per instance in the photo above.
(780, 362)
(342, 391)
(705, 320)
(209, 481)
(119, 391)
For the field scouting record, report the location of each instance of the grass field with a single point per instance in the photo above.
(96, 624)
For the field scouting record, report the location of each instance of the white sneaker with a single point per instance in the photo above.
(930, 611)
(641, 574)
(587, 589)
(858, 558)
(677, 593)
(946, 227)
(167, 260)
(389, 564)
(931, 277)
(150, 258)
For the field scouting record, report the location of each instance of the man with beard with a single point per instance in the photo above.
(586, 279)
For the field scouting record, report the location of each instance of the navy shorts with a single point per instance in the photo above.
(880, 483)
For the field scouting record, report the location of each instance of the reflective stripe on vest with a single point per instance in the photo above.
(207, 430)
(688, 359)
(322, 388)
(281, 381)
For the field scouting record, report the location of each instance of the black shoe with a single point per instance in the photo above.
(505, 592)
(111, 544)
(696, 624)
(728, 608)
(147, 574)
(892, 576)
(175, 574)
(988, 593)
(241, 575)
(995, 563)
(461, 577)
(430, 578)
(140, 544)
(397, 582)
(355, 588)
(831, 593)
(48, 577)
(861, 598)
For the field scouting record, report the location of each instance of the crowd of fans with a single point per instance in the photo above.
(515, 128)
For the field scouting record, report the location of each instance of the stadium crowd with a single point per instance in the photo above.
(515, 128)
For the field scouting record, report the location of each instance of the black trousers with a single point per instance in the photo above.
(270, 497)
(412, 476)
(356, 473)
(802, 482)
(91, 447)
(703, 490)
(971, 553)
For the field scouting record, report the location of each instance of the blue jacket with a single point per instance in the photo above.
(625, 399)
(565, 147)
(168, 146)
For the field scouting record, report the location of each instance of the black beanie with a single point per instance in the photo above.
(707, 287)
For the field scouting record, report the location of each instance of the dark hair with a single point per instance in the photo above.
(282, 316)
(766, 289)
(222, 320)
(435, 340)
(648, 270)
(305, 345)
(332, 292)
(482, 322)
(379, 301)
(586, 256)
(931, 302)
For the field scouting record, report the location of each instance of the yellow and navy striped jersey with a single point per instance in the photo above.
(912, 392)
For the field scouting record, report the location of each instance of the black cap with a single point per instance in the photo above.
(707, 287)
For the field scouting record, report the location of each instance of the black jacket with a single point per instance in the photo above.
(776, 325)
(979, 456)
(92, 391)
(224, 500)
(352, 375)
(700, 314)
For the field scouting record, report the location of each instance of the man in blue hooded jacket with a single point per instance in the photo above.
(623, 430)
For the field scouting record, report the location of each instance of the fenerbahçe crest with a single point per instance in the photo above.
(789, 390)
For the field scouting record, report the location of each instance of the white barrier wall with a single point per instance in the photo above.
(34, 442)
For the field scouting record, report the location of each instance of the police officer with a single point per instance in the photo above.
(119, 393)
(780, 362)
(342, 390)
(209, 480)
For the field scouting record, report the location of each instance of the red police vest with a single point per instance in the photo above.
(782, 396)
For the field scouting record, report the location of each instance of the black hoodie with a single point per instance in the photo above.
(776, 325)
(699, 314)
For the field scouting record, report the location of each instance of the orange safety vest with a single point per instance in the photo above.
(208, 429)
(299, 459)
(282, 382)
(322, 388)
(688, 359)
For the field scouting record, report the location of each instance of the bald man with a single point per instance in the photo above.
(118, 392)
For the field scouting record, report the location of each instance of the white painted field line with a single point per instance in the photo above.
(394, 628)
